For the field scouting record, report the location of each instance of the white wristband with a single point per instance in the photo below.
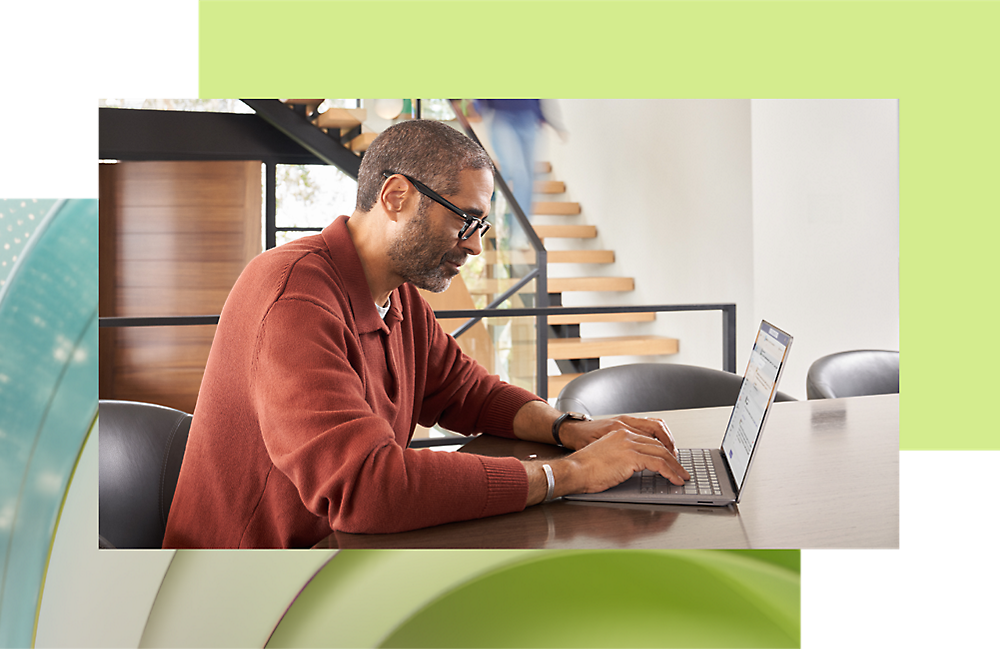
(551, 480)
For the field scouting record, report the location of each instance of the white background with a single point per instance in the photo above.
(58, 60)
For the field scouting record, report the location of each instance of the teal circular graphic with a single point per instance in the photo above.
(48, 388)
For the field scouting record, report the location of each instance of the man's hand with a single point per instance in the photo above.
(608, 451)
(579, 434)
(604, 463)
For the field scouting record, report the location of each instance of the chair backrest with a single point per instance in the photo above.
(141, 446)
(644, 387)
(853, 374)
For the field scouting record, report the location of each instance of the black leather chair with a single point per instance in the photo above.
(141, 446)
(644, 387)
(853, 374)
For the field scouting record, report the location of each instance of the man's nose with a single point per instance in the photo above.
(474, 244)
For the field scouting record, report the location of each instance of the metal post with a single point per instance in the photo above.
(729, 338)
(270, 205)
(542, 323)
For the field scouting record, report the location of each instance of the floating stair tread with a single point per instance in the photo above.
(601, 317)
(566, 231)
(554, 257)
(555, 284)
(556, 208)
(543, 167)
(558, 382)
(341, 118)
(581, 256)
(569, 348)
(311, 103)
(550, 187)
(362, 142)
(563, 284)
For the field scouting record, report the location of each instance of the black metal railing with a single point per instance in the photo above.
(475, 315)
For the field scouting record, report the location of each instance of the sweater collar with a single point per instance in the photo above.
(345, 255)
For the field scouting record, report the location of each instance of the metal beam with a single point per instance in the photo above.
(134, 134)
(305, 134)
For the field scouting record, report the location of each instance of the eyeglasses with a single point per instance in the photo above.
(472, 223)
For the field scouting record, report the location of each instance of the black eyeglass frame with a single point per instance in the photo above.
(472, 223)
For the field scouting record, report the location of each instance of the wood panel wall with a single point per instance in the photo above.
(174, 236)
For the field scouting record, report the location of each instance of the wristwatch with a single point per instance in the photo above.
(575, 416)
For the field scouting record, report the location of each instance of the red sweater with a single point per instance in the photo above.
(309, 401)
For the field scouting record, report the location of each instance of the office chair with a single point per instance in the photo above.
(853, 374)
(140, 446)
(644, 387)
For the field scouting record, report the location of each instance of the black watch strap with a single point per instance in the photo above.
(575, 416)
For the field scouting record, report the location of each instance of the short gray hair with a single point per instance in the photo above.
(432, 152)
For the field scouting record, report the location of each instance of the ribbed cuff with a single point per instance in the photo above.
(507, 485)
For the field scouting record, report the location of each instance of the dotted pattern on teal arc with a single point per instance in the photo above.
(48, 391)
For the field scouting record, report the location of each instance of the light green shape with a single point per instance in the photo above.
(48, 398)
(362, 594)
(937, 57)
(616, 599)
(440, 598)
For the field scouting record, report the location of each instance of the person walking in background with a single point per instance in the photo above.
(513, 132)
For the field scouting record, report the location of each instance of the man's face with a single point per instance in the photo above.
(428, 252)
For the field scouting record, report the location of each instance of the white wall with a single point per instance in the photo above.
(668, 185)
(826, 225)
(787, 208)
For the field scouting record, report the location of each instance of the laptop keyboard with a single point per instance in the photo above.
(698, 462)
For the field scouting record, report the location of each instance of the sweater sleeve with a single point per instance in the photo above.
(343, 459)
(461, 395)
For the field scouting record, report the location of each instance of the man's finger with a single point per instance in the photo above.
(654, 448)
(656, 428)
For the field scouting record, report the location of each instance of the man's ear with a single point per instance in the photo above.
(396, 196)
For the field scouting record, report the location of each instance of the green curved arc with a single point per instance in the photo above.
(772, 589)
(360, 596)
(612, 598)
(454, 598)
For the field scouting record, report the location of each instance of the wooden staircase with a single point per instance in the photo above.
(347, 124)
(573, 354)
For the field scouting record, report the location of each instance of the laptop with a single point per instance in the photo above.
(718, 474)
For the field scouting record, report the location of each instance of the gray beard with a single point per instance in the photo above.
(418, 257)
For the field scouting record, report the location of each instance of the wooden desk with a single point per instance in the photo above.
(826, 475)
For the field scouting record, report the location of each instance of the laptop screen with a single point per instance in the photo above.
(760, 384)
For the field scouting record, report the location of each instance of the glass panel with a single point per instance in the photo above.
(507, 259)
(505, 346)
(439, 109)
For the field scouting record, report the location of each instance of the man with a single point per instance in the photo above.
(326, 357)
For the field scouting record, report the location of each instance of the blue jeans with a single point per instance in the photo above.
(513, 136)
